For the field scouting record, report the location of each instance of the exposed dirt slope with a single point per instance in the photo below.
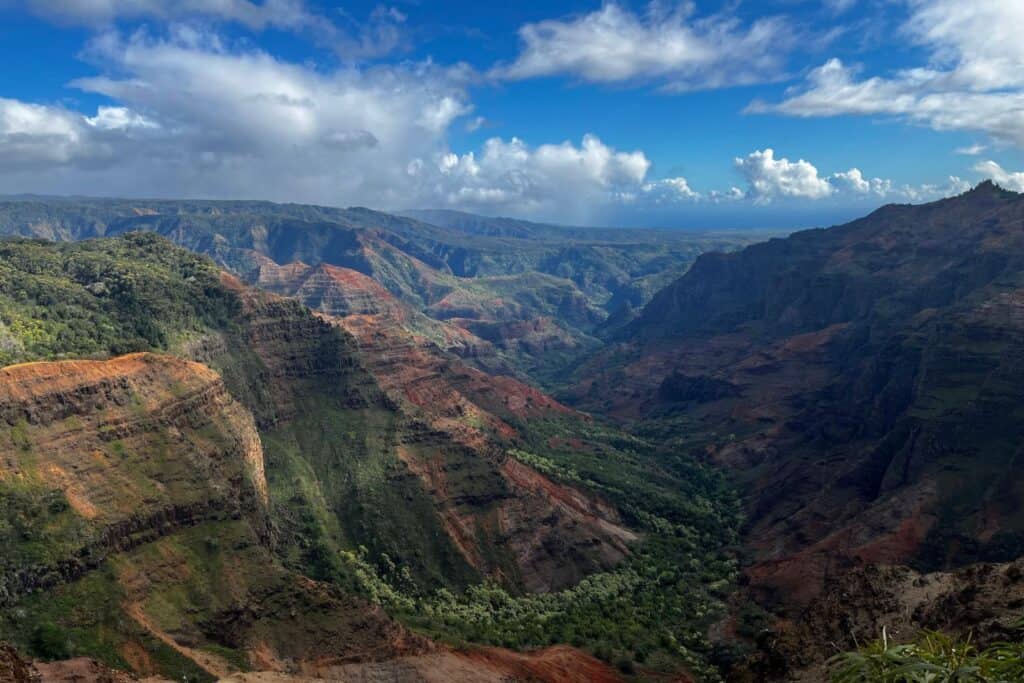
(483, 665)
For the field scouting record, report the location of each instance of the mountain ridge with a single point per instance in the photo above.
(859, 382)
(478, 281)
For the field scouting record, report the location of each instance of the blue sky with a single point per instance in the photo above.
(781, 113)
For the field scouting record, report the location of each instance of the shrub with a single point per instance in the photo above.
(49, 642)
(932, 657)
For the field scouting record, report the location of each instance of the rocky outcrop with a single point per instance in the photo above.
(343, 292)
(327, 289)
(14, 669)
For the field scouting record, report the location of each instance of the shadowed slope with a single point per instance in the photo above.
(863, 382)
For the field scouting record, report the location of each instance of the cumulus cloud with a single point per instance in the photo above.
(853, 181)
(670, 191)
(1011, 180)
(202, 118)
(255, 126)
(671, 46)
(560, 177)
(119, 118)
(927, 192)
(769, 178)
(34, 138)
(974, 79)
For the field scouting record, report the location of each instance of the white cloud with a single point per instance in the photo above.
(673, 46)
(971, 150)
(733, 194)
(853, 181)
(769, 177)
(979, 41)
(974, 79)
(195, 117)
(34, 138)
(1011, 180)
(670, 190)
(564, 178)
(119, 118)
(928, 192)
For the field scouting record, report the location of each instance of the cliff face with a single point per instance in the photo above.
(525, 319)
(343, 292)
(328, 289)
(386, 420)
(444, 423)
(127, 451)
(127, 487)
(867, 376)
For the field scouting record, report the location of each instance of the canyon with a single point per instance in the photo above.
(357, 446)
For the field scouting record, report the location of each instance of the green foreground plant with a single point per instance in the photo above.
(933, 657)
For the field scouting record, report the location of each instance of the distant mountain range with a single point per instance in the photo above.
(486, 276)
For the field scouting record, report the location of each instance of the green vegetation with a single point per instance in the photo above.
(84, 619)
(931, 658)
(653, 611)
(345, 507)
(104, 297)
(501, 270)
(339, 487)
(37, 526)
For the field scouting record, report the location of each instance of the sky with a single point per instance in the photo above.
(699, 115)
